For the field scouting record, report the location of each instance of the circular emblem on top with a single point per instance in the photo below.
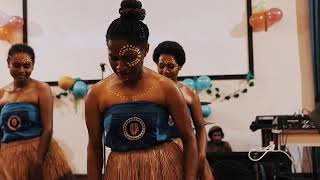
(134, 128)
(14, 122)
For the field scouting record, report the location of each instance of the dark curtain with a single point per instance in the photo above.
(315, 44)
(314, 7)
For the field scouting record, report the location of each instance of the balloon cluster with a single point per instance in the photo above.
(11, 28)
(200, 84)
(261, 21)
(78, 87)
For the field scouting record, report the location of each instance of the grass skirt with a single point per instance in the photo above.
(162, 162)
(17, 158)
(203, 174)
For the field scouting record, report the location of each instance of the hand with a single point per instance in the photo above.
(36, 171)
(202, 158)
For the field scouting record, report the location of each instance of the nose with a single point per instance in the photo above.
(166, 70)
(121, 66)
(21, 69)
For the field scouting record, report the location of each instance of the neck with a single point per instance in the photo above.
(175, 78)
(134, 82)
(20, 84)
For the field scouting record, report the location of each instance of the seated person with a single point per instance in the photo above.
(216, 144)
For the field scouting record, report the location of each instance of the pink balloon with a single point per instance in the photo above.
(273, 15)
(15, 22)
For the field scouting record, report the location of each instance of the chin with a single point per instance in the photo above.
(123, 78)
(21, 79)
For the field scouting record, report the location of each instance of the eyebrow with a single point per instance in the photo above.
(113, 55)
(25, 62)
(174, 63)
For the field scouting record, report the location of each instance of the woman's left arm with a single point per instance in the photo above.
(197, 119)
(1, 133)
(46, 116)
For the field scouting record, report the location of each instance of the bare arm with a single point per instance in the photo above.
(1, 133)
(197, 118)
(179, 114)
(46, 114)
(94, 149)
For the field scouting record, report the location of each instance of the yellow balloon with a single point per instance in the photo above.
(66, 82)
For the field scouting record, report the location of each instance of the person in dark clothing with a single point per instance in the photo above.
(216, 144)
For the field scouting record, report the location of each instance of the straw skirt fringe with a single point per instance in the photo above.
(16, 160)
(162, 162)
(203, 174)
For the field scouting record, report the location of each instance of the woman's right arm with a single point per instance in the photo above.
(94, 149)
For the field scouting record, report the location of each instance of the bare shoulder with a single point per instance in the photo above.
(41, 86)
(170, 87)
(1, 92)
(188, 91)
(164, 82)
(100, 86)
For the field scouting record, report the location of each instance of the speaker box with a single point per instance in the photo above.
(237, 165)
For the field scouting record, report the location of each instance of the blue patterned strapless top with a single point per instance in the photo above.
(135, 125)
(19, 121)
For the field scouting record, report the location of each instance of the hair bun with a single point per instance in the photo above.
(132, 9)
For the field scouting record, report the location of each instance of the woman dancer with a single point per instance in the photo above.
(130, 109)
(27, 150)
(170, 57)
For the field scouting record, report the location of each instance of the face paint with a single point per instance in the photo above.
(126, 98)
(128, 50)
(170, 63)
(20, 65)
(125, 59)
(168, 66)
(26, 60)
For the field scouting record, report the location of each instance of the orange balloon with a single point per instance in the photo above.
(258, 22)
(66, 82)
(16, 37)
(5, 33)
(262, 21)
(11, 35)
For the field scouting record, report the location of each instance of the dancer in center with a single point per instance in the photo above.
(130, 110)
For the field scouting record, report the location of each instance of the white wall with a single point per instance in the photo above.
(73, 44)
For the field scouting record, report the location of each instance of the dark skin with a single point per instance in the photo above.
(168, 67)
(1, 133)
(25, 89)
(134, 81)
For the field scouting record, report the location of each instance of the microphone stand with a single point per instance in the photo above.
(103, 69)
